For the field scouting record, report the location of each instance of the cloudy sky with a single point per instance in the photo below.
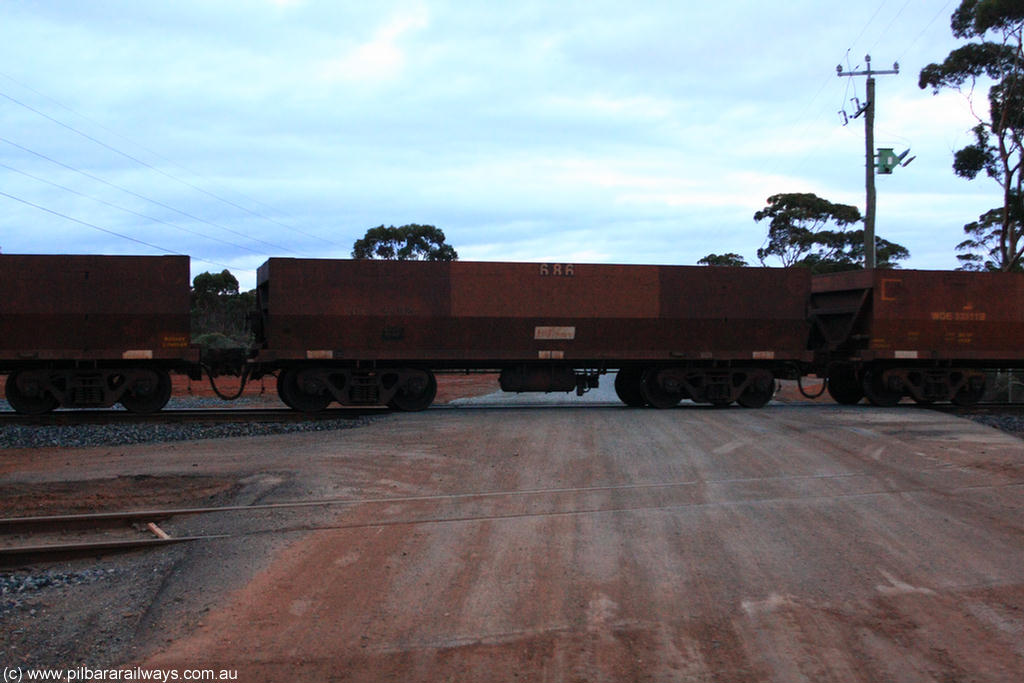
(640, 132)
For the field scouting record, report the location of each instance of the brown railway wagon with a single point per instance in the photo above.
(86, 331)
(372, 331)
(923, 334)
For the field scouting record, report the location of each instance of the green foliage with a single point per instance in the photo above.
(982, 248)
(997, 27)
(208, 287)
(220, 311)
(808, 231)
(730, 260)
(412, 242)
(214, 340)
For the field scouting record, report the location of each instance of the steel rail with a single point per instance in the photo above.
(173, 416)
(16, 555)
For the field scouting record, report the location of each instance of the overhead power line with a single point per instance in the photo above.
(126, 209)
(149, 166)
(143, 197)
(109, 232)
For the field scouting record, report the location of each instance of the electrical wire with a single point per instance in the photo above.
(110, 232)
(143, 197)
(127, 210)
(924, 30)
(885, 31)
(155, 169)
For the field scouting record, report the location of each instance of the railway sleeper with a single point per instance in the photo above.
(138, 389)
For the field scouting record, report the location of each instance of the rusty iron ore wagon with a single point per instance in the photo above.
(92, 331)
(930, 335)
(373, 332)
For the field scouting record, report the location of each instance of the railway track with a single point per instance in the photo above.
(213, 415)
(33, 539)
(29, 540)
(42, 538)
(285, 415)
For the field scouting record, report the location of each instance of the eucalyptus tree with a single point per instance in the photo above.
(411, 242)
(808, 231)
(995, 52)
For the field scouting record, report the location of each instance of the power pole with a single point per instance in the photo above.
(868, 109)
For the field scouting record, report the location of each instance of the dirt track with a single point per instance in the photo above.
(800, 542)
(796, 543)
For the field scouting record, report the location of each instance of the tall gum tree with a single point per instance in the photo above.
(996, 52)
(411, 242)
(808, 231)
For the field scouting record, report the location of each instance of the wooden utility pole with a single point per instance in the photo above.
(869, 154)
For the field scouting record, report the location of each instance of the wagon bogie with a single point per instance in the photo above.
(311, 388)
(751, 387)
(138, 389)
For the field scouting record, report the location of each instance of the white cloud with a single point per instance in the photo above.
(384, 56)
(527, 130)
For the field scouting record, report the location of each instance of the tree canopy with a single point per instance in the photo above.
(996, 28)
(412, 242)
(728, 260)
(808, 231)
(982, 248)
(219, 310)
(209, 286)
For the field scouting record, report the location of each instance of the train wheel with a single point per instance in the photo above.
(282, 390)
(877, 392)
(303, 391)
(30, 398)
(149, 393)
(969, 394)
(843, 386)
(628, 389)
(417, 391)
(758, 393)
(656, 393)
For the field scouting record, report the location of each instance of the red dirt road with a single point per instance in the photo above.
(794, 543)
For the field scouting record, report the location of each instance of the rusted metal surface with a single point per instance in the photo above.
(910, 315)
(484, 313)
(124, 308)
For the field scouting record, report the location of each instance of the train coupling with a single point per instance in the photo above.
(219, 362)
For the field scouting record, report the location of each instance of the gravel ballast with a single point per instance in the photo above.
(123, 434)
(86, 436)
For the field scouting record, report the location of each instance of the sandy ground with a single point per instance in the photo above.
(506, 540)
